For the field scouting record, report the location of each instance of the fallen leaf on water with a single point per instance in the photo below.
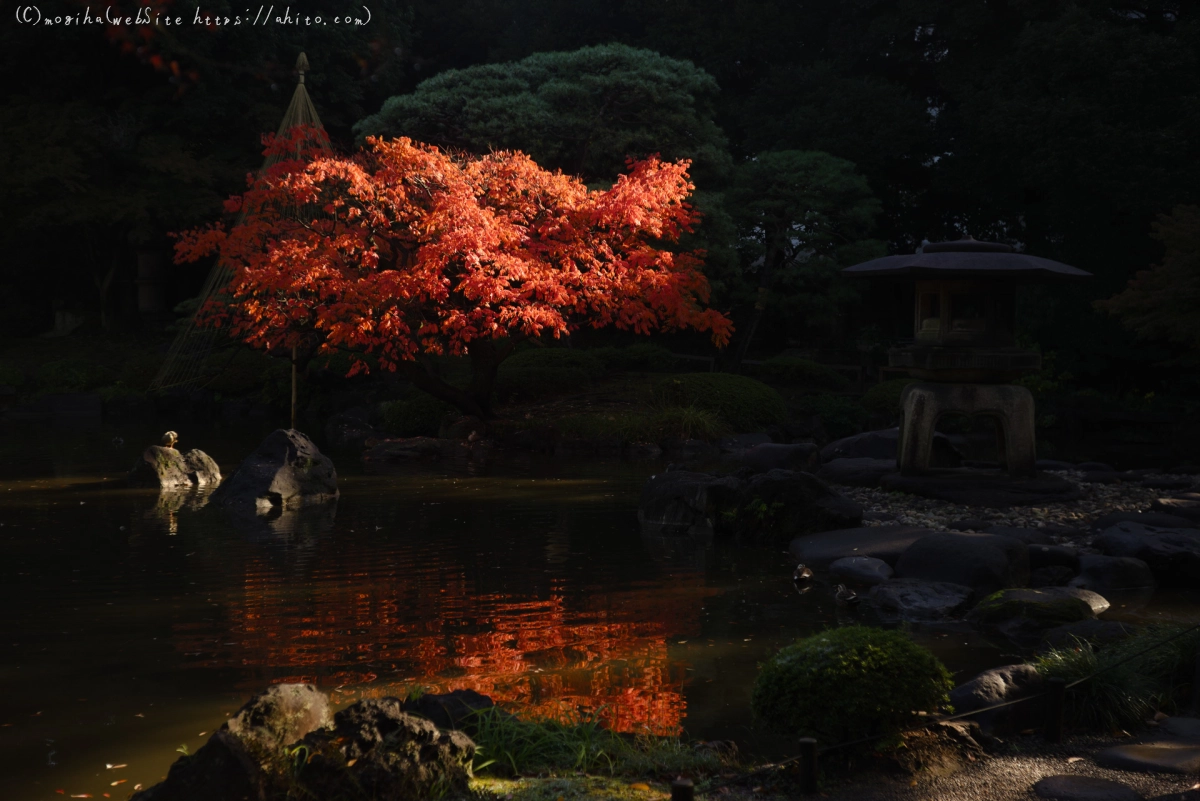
(913, 783)
(640, 786)
(201, 734)
(137, 786)
(118, 781)
(1027, 731)
(1074, 759)
(139, 715)
(81, 795)
(350, 763)
(115, 767)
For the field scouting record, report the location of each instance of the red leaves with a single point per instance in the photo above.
(404, 248)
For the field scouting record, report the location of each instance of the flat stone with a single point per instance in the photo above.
(884, 444)
(1183, 504)
(881, 542)
(984, 562)
(1157, 519)
(1108, 574)
(1160, 757)
(863, 570)
(1186, 728)
(771, 455)
(1173, 554)
(990, 490)
(858, 472)
(1084, 788)
(913, 599)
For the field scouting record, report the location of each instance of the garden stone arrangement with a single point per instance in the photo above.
(286, 740)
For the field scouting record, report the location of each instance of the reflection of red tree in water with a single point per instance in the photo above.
(605, 655)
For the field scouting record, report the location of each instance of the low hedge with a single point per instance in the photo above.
(840, 416)
(541, 372)
(805, 373)
(642, 357)
(744, 404)
(884, 397)
(849, 683)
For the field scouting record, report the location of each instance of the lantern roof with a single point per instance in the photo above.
(966, 258)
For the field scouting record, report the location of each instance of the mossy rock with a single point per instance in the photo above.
(1022, 615)
(743, 403)
(849, 683)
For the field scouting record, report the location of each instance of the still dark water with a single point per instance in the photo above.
(134, 624)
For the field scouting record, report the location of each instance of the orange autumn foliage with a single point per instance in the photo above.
(402, 249)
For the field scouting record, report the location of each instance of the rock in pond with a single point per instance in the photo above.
(376, 750)
(997, 686)
(232, 764)
(167, 468)
(286, 471)
(1172, 554)
(683, 502)
(1108, 575)
(780, 504)
(858, 472)
(864, 571)
(880, 542)
(771, 456)
(984, 562)
(404, 449)
(913, 599)
(1022, 615)
(1084, 788)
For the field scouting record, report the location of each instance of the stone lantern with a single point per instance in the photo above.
(964, 352)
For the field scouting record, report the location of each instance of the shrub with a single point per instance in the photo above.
(884, 397)
(71, 375)
(418, 415)
(1124, 694)
(687, 422)
(642, 357)
(841, 416)
(793, 371)
(11, 375)
(539, 372)
(742, 403)
(849, 683)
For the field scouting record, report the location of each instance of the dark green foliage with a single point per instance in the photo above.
(419, 415)
(543, 372)
(840, 416)
(849, 683)
(584, 112)
(1125, 694)
(802, 373)
(743, 403)
(642, 357)
(71, 375)
(884, 397)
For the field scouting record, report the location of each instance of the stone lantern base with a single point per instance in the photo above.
(924, 403)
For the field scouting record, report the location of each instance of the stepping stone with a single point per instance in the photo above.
(865, 570)
(1160, 757)
(913, 599)
(1186, 728)
(1084, 788)
(881, 542)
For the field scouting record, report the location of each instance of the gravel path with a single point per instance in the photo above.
(1011, 777)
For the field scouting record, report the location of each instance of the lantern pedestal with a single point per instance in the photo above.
(924, 403)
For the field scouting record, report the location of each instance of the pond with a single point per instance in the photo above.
(137, 623)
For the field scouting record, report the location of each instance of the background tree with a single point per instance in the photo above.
(1163, 301)
(801, 217)
(418, 253)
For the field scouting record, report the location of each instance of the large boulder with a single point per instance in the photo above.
(781, 504)
(914, 599)
(286, 471)
(1024, 615)
(1109, 575)
(984, 562)
(861, 570)
(858, 472)
(885, 444)
(681, 502)
(1173, 554)
(167, 468)
(222, 768)
(457, 709)
(1156, 519)
(279, 717)
(376, 750)
(997, 686)
(881, 542)
(773, 456)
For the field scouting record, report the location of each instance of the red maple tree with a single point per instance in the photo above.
(402, 251)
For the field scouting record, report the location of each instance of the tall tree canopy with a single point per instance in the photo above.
(417, 252)
(584, 112)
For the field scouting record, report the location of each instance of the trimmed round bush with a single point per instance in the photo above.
(805, 373)
(642, 357)
(840, 416)
(849, 683)
(541, 372)
(884, 397)
(743, 403)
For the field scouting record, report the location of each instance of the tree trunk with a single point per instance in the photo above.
(772, 261)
